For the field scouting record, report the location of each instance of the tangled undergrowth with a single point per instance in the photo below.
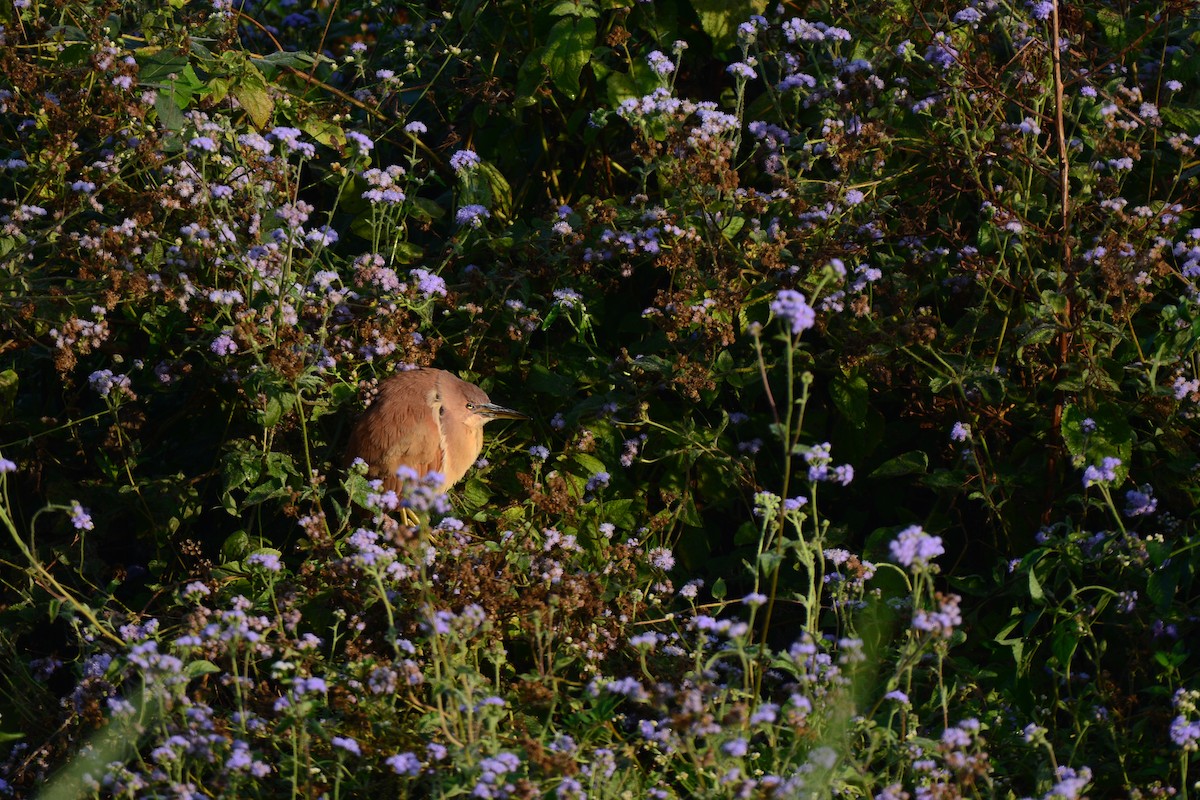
(861, 356)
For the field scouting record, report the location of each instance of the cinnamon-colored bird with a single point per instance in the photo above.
(426, 419)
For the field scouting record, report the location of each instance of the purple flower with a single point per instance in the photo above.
(1041, 9)
(597, 481)
(960, 432)
(940, 623)
(854, 197)
(941, 52)
(80, 517)
(361, 142)
(539, 452)
(1070, 783)
(267, 561)
(103, 381)
(793, 310)
(1140, 502)
(415, 128)
(223, 345)
(1029, 127)
(1185, 733)
(472, 215)
(659, 63)
(915, 548)
(7, 465)
(662, 558)
(347, 744)
(405, 764)
(428, 284)
(736, 747)
(1105, 472)
(304, 686)
(204, 143)
(464, 160)
(739, 69)
(290, 139)
(567, 298)
(754, 599)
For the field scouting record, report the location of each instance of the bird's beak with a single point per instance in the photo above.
(493, 411)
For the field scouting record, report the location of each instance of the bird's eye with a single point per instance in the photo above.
(441, 411)
(470, 406)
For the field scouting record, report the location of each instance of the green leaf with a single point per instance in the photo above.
(235, 546)
(747, 534)
(568, 50)
(914, 462)
(487, 186)
(1054, 301)
(155, 70)
(719, 589)
(720, 19)
(574, 8)
(1064, 644)
(1039, 335)
(322, 130)
(544, 381)
(250, 89)
(1112, 437)
(169, 113)
(591, 465)
(768, 562)
(195, 669)
(1036, 592)
(849, 395)
(1161, 587)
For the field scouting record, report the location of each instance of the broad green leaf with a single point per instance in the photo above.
(322, 130)
(1036, 593)
(591, 465)
(1039, 335)
(747, 533)
(720, 19)
(195, 669)
(574, 8)
(1064, 644)
(849, 395)
(155, 70)
(250, 89)
(568, 50)
(487, 185)
(914, 462)
(619, 513)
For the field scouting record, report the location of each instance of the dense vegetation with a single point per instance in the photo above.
(860, 341)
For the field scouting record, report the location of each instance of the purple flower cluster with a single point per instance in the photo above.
(820, 466)
(915, 549)
(791, 308)
(1104, 472)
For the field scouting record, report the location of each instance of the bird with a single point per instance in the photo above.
(427, 419)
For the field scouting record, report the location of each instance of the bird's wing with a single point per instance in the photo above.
(399, 429)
